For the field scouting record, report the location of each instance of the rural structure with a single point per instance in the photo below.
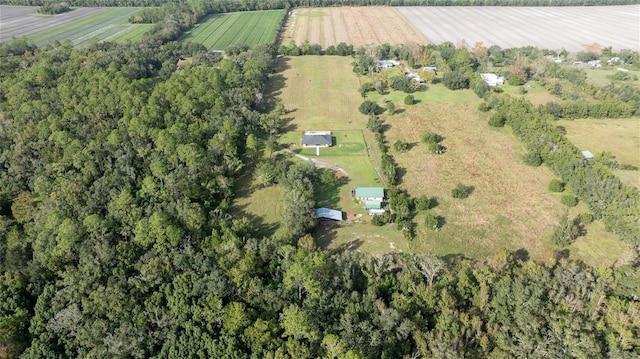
(317, 139)
(372, 197)
(492, 79)
(324, 214)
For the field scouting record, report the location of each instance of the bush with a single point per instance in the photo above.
(424, 203)
(566, 232)
(455, 80)
(391, 108)
(436, 148)
(556, 185)
(569, 200)
(431, 137)
(431, 221)
(532, 159)
(409, 100)
(516, 80)
(586, 218)
(370, 108)
(374, 124)
(497, 120)
(401, 146)
(481, 88)
(381, 219)
(461, 191)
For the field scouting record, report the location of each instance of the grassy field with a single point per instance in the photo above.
(509, 206)
(218, 31)
(78, 26)
(621, 137)
(600, 77)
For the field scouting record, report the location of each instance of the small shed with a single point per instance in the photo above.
(328, 213)
(317, 139)
(369, 194)
(587, 154)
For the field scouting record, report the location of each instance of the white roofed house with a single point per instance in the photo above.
(492, 79)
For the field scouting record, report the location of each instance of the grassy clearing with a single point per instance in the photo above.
(621, 137)
(631, 178)
(218, 31)
(262, 205)
(600, 77)
(509, 206)
(108, 23)
(600, 248)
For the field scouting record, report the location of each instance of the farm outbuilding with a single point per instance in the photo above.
(317, 139)
(328, 213)
(492, 79)
(587, 154)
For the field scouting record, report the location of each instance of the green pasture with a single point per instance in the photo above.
(620, 137)
(218, 31)
(600, 77)
(107, 24)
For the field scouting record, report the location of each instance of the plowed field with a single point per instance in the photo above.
(357, 26)
(571, 28)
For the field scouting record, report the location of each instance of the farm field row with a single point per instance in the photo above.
(78, 26)
(571, 28)
(357, 26)
(218, 31)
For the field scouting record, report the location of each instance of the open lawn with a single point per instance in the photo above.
(263, 206)
(78, 26)
(357, 26)
(218, 31)
(620, 137)
(509, 205)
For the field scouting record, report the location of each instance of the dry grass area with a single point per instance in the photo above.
(509, 206)
(357, 26)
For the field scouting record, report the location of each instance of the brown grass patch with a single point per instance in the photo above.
(510, 205)
(357, 26)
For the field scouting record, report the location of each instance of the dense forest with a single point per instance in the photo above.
(117, 171)
(247, 5)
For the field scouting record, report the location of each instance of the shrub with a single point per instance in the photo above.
(401, 146)
(566, 232)
(431, 137)
(586, 218)
(532, 159)
(409, 100)
(461, 191)
(497, 120)
(556, 185)
(391, 108)
(374, 124)
(569, 200)
(436, 148)
(432, 221)
(381, 219)
(424, 203)
(516, 80)
(481, 88)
